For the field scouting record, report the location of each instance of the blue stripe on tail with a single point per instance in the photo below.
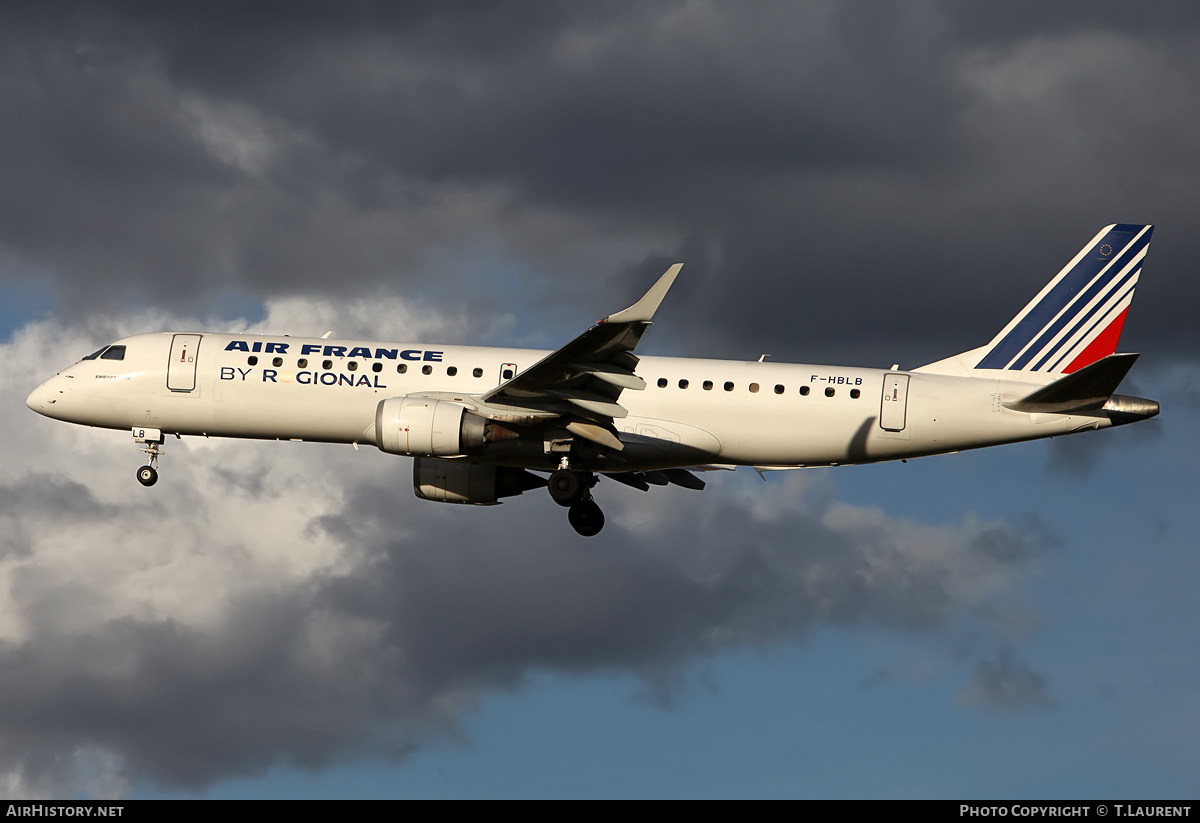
(1110, 254)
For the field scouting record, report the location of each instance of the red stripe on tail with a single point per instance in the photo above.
(1104, 345)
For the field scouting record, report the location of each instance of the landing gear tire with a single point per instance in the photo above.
(567, 487)
(150, 441)
(586, 518)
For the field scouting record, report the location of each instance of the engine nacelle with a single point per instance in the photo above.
(428, 428)
(446, 481)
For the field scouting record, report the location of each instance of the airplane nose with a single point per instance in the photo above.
(34, 400)
(43, 398)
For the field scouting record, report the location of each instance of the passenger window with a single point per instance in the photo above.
(507, 374)
(277, 362)
(804, 391)
(376, 367)
(352, 365)
(477, 372)
(754, 388)
(708, 385)
(778, 388)
(114, 353)
(402, 368)
(327, 364)
(662, 382)
(728, 387)
(829, 392)
(302, 363)
(427, 370)
(252, 360)
(683, 384)
(452, 371)
(855, 393)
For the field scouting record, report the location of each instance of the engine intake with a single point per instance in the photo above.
(432, 428)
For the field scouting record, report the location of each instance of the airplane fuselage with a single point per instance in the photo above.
(692, 411)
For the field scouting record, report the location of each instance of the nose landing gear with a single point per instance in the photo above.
(150, 441)
(573, 489)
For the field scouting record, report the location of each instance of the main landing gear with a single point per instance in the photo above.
(573, 489)
(150, 441)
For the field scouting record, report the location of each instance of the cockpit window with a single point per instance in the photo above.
(96, 353)
(114, 353)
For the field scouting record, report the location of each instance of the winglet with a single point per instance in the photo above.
(643, 310)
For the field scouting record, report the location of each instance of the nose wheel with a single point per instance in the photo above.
(150, 441)
(573, 490)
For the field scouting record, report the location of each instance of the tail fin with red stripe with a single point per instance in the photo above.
(1073, 322)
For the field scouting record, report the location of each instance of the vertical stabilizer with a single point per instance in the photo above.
(1074, 321)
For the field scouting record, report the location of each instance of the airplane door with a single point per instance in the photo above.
(894, 406)
(181, 367)
(507, 370)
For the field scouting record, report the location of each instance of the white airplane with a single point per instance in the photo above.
(486, 423)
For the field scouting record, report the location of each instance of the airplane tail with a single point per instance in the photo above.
(1073, 322)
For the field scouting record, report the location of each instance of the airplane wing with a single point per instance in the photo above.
(581, 383)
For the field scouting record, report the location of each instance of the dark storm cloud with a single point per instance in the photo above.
(1017, 21)
(845, 183)
(407, 631)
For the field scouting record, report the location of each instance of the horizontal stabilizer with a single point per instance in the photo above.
(1085, 390)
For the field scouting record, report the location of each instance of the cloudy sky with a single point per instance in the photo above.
(851, 183)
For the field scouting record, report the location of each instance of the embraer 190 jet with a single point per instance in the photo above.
(482, 424)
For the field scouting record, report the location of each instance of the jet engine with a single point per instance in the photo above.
(448, 481)
(432, 428)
